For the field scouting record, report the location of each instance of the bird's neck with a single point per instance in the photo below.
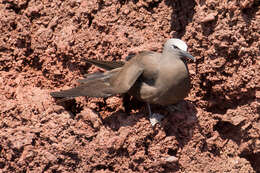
(173, 57)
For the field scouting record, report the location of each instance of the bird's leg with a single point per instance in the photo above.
(154, 117)
(149, 109)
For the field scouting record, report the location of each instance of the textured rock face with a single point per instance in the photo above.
(43, 45)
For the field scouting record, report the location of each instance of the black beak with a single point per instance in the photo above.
(187, 55)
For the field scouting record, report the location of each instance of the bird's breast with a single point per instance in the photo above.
(174, 83)
(163, 83)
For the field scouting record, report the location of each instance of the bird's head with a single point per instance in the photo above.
(178, 47)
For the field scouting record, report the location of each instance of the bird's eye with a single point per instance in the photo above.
(175, 47)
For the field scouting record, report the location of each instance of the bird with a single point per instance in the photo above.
(151, 77)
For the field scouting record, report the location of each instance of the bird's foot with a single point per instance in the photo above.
(174, 108)
(155, 118)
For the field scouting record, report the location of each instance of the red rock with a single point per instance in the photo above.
(43, 45)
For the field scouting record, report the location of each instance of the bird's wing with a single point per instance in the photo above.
(97, 85)
(116, 81)
(104, 84)
(107, 65)
(130, 72)
(96, 88)
(99, 75)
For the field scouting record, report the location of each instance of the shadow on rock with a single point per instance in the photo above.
(181, 123)
(249, 12)
(182, 15)
(122, 119)
(70, 105)
(227, 130)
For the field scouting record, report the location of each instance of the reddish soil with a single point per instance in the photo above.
(43, 45)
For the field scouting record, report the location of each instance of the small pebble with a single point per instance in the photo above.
(171, 159)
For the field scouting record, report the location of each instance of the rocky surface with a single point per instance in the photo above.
(43, 45)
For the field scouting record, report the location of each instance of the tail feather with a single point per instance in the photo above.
(91, 89)
(107, 65)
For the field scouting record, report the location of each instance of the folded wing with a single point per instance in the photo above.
(116, 81)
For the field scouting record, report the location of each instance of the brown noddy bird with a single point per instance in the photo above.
(151, 77)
